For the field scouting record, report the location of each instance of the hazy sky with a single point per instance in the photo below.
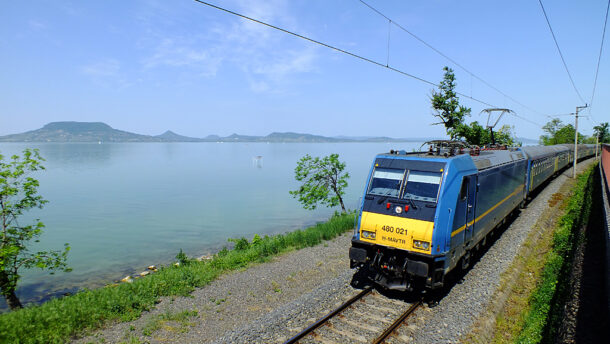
(149, 66)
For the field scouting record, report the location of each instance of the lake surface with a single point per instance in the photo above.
(124, 206)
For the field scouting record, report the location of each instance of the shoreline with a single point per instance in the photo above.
(67, 317)
(108, 277)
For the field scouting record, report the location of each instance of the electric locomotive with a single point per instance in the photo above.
(423, 213)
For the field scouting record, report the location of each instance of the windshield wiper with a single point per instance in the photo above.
(408, 195)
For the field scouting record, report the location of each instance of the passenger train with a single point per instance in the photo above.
(423, 213)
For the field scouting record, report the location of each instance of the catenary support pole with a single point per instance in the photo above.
(596, 145)
(576, 138)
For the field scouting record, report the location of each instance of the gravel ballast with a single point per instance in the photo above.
(271, 302)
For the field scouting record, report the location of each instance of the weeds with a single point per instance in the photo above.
(58, 320)
(544, 316)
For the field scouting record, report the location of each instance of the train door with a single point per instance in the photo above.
(466, 205)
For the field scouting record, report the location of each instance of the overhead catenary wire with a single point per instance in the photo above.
(380, 64)
(599, 58)
(336, 49)
(398, 25)
(559, 50)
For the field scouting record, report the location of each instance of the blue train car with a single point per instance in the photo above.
(422, 213)
(543, 162)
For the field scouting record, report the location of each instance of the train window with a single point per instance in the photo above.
(464, 189)
(386, 182)
(422, 185)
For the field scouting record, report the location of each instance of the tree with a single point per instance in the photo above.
(447, 106)
(453, 116)
(559, 133)
(18, 194)
(602, 132)
(323, 181)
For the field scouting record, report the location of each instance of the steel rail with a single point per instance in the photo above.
(323, 320)
(397, 323)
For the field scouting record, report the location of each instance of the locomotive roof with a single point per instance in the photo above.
(485, 159)
(492, 158)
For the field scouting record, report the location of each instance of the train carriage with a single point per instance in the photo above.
(543, 162)
(423, 213)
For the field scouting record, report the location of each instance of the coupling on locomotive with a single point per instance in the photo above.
(423, 213)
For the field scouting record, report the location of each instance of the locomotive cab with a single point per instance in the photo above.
(395, 236)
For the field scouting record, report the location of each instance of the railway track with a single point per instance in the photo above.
(368, 317)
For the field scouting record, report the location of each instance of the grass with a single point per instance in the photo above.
(542, 319)
(162, 320)
(59, 320)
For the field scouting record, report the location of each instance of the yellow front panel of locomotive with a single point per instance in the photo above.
(396, 231)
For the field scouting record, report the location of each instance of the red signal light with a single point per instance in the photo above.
(388, 205)
(406, 208)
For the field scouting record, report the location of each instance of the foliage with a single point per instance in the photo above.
(182, 258)
(19, 194)
(447, 106)
(546, 302)
(602, 132)
(240, 244)
(59, 320)
(323, 181)
(453, 116)
(476, 134)
(559, 133)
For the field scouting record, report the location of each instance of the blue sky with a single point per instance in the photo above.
(149, 66)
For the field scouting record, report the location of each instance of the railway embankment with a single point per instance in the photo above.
(555, 289)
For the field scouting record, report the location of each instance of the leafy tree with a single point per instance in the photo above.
(559, 133)
(18, 194)
(603, 132)
(447, 106)
(453, 116)
(323, 181)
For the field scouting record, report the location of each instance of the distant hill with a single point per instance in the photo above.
(102, 132)
(173, 137)
(78, 132)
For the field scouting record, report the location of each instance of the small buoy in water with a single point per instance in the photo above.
(257, 161)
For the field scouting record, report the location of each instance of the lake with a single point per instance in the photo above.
(124, 206)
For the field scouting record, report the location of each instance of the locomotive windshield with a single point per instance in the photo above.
(422, 185)
(386, 182)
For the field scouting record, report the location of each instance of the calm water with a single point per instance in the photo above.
(125, 206)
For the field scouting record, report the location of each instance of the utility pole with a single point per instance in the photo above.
(576, 138)
(596, 144)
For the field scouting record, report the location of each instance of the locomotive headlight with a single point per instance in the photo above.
(368, 235)
(424, 245)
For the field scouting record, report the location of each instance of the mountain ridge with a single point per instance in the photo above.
(73, 131)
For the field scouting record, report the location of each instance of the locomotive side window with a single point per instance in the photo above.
(464, 189)
(386, 182)
(422, 185)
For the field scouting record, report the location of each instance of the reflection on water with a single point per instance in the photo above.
(125, 206)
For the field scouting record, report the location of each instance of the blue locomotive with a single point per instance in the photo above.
(423, 213)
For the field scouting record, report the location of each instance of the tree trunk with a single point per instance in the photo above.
(342, 206)
(8, 291)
